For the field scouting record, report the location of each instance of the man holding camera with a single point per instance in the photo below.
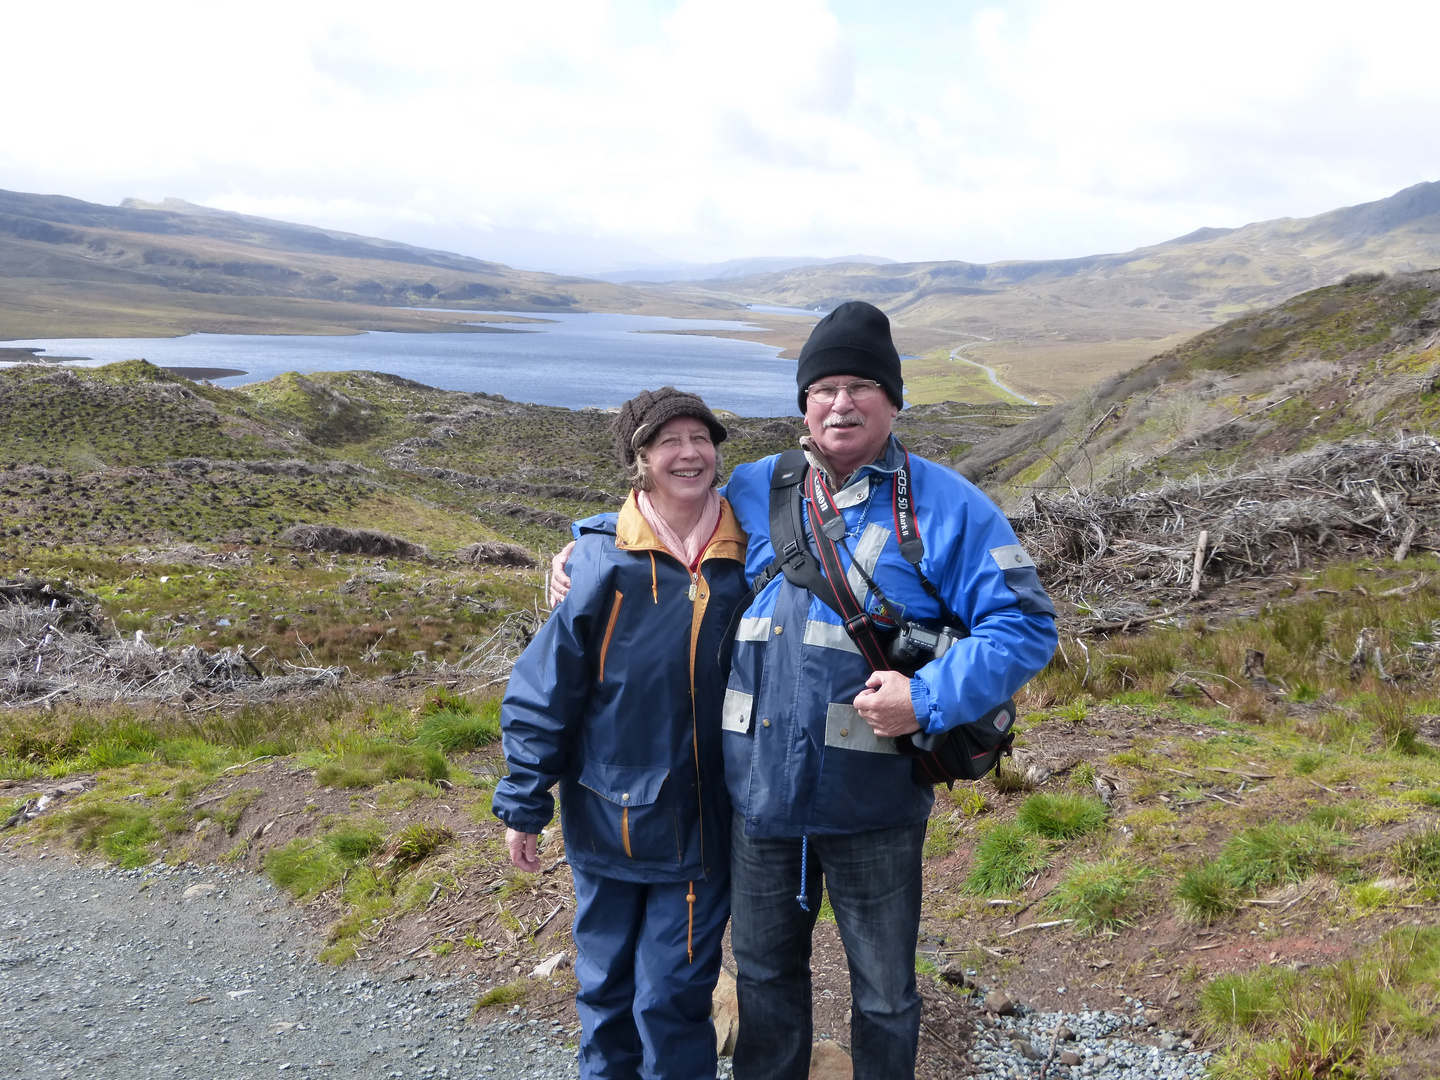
(937, 620)
(812, 714)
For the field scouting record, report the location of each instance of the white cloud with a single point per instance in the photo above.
(706, 129)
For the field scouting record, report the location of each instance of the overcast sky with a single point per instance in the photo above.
(577, 134)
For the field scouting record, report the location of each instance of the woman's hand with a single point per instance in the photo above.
(559, 579)
(522, 847)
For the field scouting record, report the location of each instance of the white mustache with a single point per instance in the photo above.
(850, 419)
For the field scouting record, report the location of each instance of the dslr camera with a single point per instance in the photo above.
(914, 646)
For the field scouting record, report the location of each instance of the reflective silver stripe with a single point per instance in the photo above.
(853, 495)
(736, 711)
(844, 727)
(753, 629)
(829, 636)
(867, 554)
(1011, 557)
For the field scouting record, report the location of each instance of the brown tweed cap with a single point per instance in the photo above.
(644, 414)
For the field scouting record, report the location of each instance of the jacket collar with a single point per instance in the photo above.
(888, 462)
(633, 533)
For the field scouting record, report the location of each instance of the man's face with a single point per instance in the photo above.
(851, 429)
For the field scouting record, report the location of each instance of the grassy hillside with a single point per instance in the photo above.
(1348, 360)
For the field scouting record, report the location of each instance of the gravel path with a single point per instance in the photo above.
(192, 973)
(202, 973)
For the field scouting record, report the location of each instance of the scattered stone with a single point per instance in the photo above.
(829, 1062)
(546, 967)
(1166, 1041)
(1070, 1057)
(999, 1003)
(954, 974)
(1065, 1034)
(195, 892)
(725, 1012)
(1026, 1049)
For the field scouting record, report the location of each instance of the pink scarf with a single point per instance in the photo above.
(686, 548)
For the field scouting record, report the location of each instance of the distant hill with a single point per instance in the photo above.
(72, 268)
(734, 268)
(1049, 329)
(1095, 315)
(1359, 359)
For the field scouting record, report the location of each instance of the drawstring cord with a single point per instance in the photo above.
(654, 584)
(803, 899)
(690, 932)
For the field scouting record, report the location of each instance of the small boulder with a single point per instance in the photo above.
(954, 974)
(725, 1012)
(196, 892)
(1070, 1057)
(999, 1003)
(1026, 1049)
(829, 1062)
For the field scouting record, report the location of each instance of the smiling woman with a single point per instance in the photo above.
(617, 699)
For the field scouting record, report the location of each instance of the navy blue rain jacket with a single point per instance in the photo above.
(617, 699)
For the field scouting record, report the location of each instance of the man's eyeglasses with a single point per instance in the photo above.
(859, 390)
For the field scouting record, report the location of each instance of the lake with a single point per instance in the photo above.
(572, 360)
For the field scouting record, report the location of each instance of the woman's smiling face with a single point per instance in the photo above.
(681, 461)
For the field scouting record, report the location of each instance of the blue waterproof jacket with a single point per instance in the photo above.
(617, 699)
(798, 757)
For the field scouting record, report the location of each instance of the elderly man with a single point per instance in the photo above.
(811, 713)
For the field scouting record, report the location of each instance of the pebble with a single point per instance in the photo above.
(1092, 1046)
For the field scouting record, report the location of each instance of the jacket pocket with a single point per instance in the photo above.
(627, 814)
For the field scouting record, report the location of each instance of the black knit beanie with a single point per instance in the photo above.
(646, 413)
(854, 339)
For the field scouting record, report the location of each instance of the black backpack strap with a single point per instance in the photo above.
(798, 563)
(787, 537)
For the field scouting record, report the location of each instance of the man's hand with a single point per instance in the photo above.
(885, 704)
(522, 847)
(559, 580)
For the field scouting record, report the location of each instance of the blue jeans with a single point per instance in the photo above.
(873, 882)
(644, 1005)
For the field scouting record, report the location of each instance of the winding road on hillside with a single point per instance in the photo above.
(955, 356)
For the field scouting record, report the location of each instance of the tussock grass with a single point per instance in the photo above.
(1265, 855)
(123, 832)
(1308, 641)
(378, 762)
(1419, 857)
(355, 841)
(511, 993)
(1204, 893)
(1005, 858)
(453, 732)
(1102, 895)
(1238, 1003)
(418, 841)
(1061, 815)
(1344, 1020)
(304, 868)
